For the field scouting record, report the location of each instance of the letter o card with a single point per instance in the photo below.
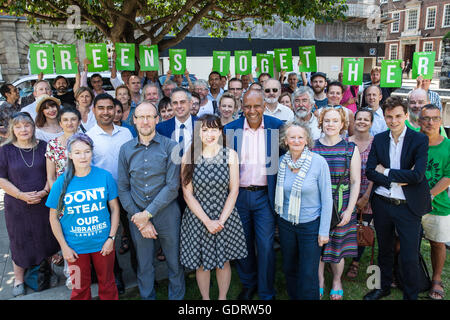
(243, 62)
(391, 74)
(65, 55)
(41, 58)
(423, 64)
(177, 59)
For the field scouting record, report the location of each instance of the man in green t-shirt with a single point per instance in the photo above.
(436, 224)
(417, 99)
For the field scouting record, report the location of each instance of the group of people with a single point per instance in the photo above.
(219, 170)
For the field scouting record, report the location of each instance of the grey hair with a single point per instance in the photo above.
(295, 123)
(20, 117)
(201, 83)
(179, 89)
(151, 85)
(169, 82)
(292, 74)
(41, 81)
(417, 90)
(304, 90)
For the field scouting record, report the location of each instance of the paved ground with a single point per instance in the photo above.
(59, 292)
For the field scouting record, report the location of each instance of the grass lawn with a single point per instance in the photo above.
(353, 290)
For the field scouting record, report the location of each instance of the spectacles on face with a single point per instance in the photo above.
(143, 118)
(275, 90)
(428, 119)
(234, 89)
(422, 102)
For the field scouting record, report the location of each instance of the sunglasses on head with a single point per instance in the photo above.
(333, 107)
(269, 89)
(20, 114)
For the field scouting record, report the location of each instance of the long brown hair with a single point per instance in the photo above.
(195, 151)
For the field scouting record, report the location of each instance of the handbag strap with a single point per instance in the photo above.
(345, 170)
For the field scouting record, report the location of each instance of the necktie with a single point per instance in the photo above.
(181, 138)
(215, 108)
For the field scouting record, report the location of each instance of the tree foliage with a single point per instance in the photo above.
(168, 22)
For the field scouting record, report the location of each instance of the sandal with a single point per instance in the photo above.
(321, 292)
(352, 271)
(339, 293)
(440, 293)
(124, 245)
(160, 255)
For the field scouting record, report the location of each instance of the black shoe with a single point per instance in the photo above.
(246, 294)
(119, 283)
(377, 294)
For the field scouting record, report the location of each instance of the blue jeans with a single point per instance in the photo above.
(258, 221)
(301, 256)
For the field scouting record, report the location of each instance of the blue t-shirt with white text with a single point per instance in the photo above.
(86, 221)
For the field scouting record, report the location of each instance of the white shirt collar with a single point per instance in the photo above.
(402, 135)
(186, 123)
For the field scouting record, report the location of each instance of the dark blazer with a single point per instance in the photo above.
(167, 128)
(234, 131)
(413, 164)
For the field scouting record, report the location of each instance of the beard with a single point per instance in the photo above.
(318, 90)
(271, 100)
(301, 113)
(413, 115)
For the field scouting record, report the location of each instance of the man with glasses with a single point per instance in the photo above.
(436, 224)
(373, 98)
(235, 88)
(417, 98)
(206, 105)
(148, 187)
(433, 97)
(272, 91)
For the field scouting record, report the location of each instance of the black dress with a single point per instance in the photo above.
(30, 236)
(198, 246)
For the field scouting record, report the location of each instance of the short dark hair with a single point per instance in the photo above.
(365, 110)
(234, 80)
(96, 75)
(213, 72)
(67, 109)
(196, 95)
(118, 103)
(163, 103)
(393, 102)
(335, 84)
(4, 89)
(262, 75)
(61, 77)
(429, 106)
(103, 96)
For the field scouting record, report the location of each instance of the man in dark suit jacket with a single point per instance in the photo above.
(180, 128)
(255, 138)
(400, 196)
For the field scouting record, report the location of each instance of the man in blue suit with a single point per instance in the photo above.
(179, 128)
(255, 138)
(400, 196)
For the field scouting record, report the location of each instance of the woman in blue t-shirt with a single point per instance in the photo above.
(81, 221)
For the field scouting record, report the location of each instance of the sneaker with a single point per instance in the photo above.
(19, 290)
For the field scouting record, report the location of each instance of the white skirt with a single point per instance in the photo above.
(436, 228)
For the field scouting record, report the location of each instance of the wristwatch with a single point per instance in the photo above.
(112, 238)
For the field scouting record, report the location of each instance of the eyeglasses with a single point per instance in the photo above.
(142, 118)
(234, 89)
(333, 107)
(428, 119)
(269, 89)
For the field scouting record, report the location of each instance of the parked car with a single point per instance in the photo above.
(25, 83)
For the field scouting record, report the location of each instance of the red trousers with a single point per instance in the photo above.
(80, 273)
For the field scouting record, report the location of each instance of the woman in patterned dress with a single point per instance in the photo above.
(211, 229)
(363, 139)
(336, 151)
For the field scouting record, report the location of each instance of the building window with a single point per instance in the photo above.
(383, 1)
(412, 20)
(431, 18)
(446, 17)
(428, 46)
(441, 51)
(393, 51)
(395, 26)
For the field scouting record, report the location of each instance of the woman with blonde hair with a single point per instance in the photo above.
(345, 168)
(83, 99)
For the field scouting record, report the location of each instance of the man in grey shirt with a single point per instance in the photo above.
(148, 183)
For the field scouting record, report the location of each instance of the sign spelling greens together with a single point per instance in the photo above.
(41, 58)
(65, 55)
(283, 59)
(243, 62)
(125, 56)
(149, 57)
(221, 62)
(177, 60)
(264, 62)
(352, 73)
(391, 74)
(307, 56)
(97, 54)
(423, 64)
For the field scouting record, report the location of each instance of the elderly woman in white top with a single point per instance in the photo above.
(303, 203)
